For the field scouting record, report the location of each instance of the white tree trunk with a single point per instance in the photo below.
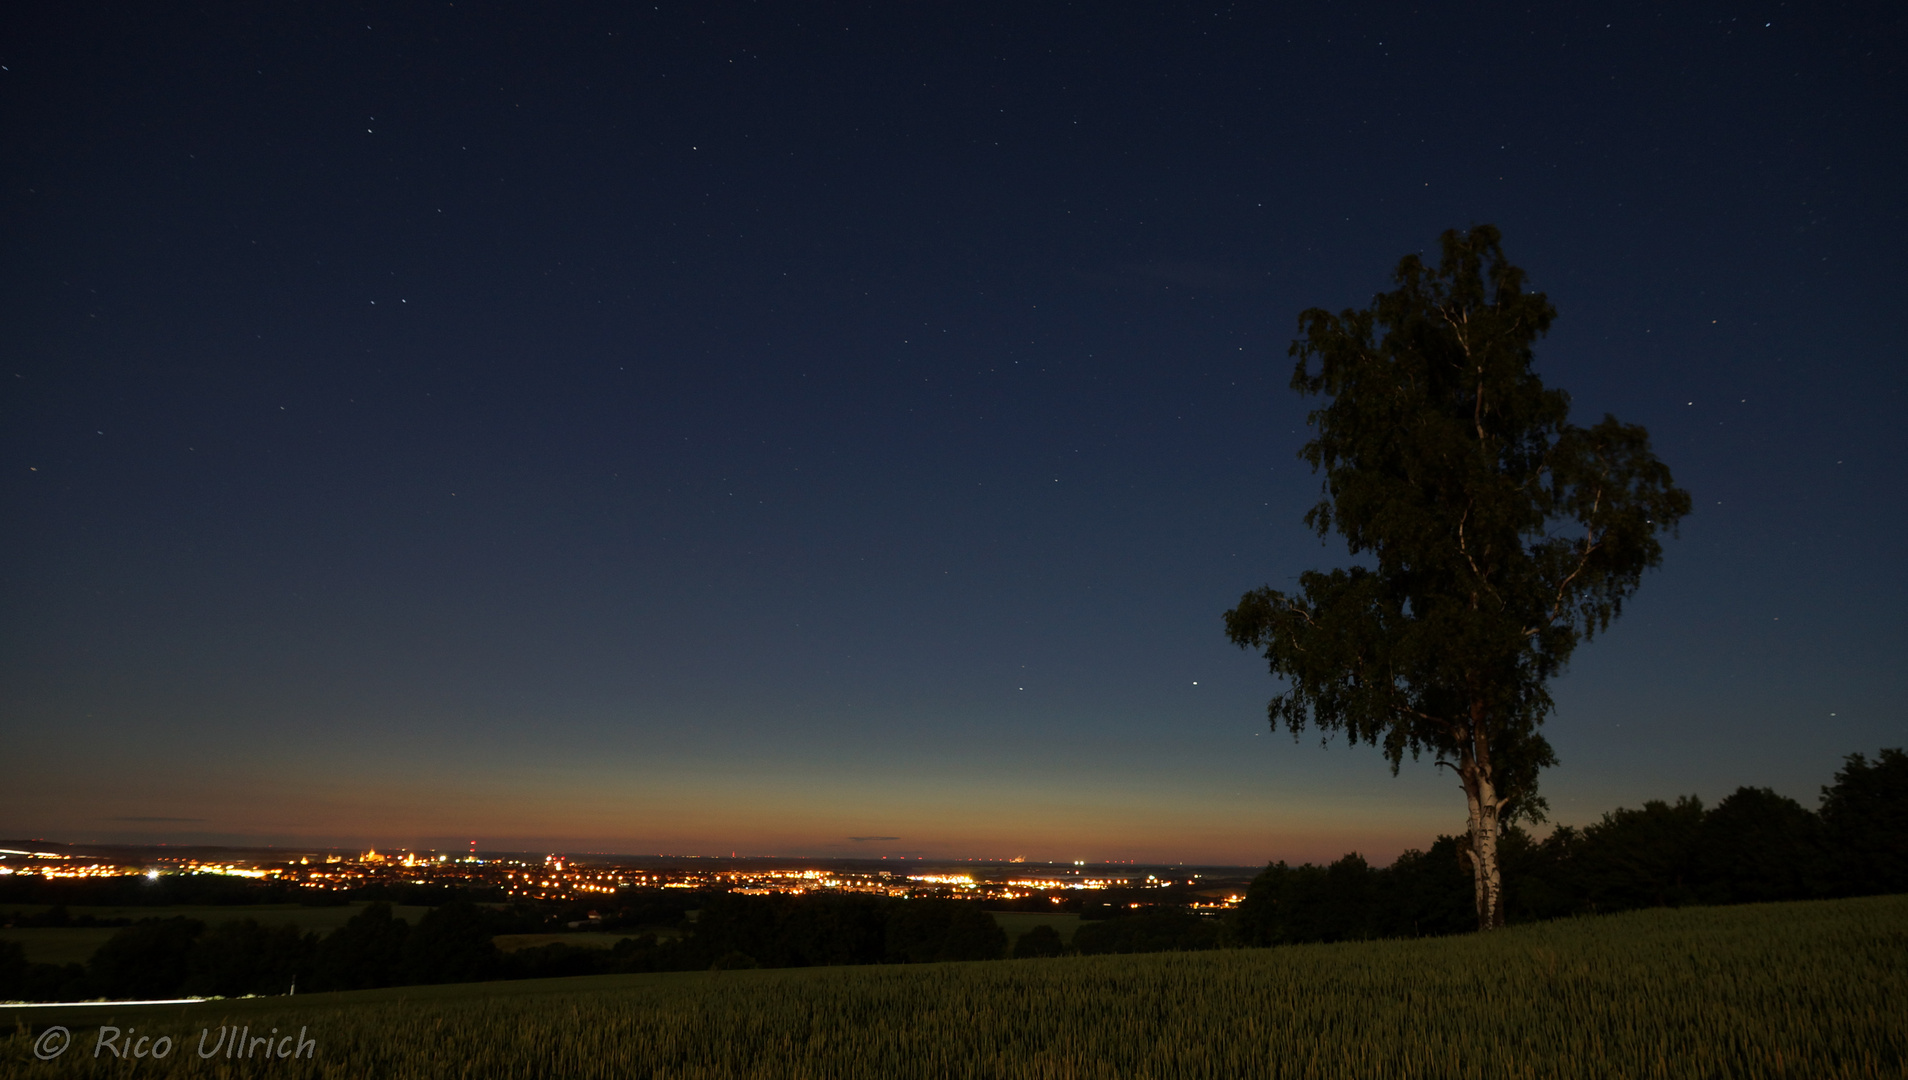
(1490, 884)
(1480, 796)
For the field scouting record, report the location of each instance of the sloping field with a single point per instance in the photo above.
(1811, 990)
(75, 944)
(60, 944)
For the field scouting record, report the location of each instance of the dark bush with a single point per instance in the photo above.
(1428, 893)
(925, 931)
(647, 953)
(1042, 940)
(145, 960)
(13, 972)
(242, 957)
(23, 980)
(365, 953)
(1288, 904)
(450, 944)
(837, 930)
(1149, 931)
(972, 934)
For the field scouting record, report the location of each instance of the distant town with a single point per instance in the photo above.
(582, 877)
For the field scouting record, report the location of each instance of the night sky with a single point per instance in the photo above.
(838, 429)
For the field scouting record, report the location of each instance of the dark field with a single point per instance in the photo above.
(74, 944)
(587, 940)
(1809, 989)
(1017, 923)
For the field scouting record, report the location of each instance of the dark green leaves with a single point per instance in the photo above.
(1499, 534)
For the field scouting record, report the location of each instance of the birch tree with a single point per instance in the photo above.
(1491, 536)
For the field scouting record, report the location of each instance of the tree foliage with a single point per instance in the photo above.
(145, 960)
(1866, 814)
(1494, 535)
(1040, 941)
(244, 957)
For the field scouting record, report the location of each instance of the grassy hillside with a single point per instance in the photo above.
(58, 944)
(1781, 990)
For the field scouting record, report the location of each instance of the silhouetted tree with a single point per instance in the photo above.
(1642, 858)
(1042, 940)
(972, 934)
(1453, 469)
(13, 972)
(925, 931)
(836, 930)
(1291, 904)
(146, 959)
(243, 957)
(365, 953)
(23, 980)
(1756, 845)
(451, 943)
(750, 925)
(1428, 893)
(1543, 879)
(1865, 813)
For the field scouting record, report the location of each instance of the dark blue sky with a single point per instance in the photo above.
(710, 427)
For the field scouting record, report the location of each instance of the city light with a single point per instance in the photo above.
(560, 877)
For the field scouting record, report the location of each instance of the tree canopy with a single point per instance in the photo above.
(1866, 813)
(1494, 535)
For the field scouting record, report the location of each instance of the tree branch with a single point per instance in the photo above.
(1591, 541)
(1465, 550)
(1458, 326)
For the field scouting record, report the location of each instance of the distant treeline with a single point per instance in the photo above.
(170, 957)
(1754, 845)
(217, 890)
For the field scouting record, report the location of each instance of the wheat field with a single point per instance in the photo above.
(1807, 990)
